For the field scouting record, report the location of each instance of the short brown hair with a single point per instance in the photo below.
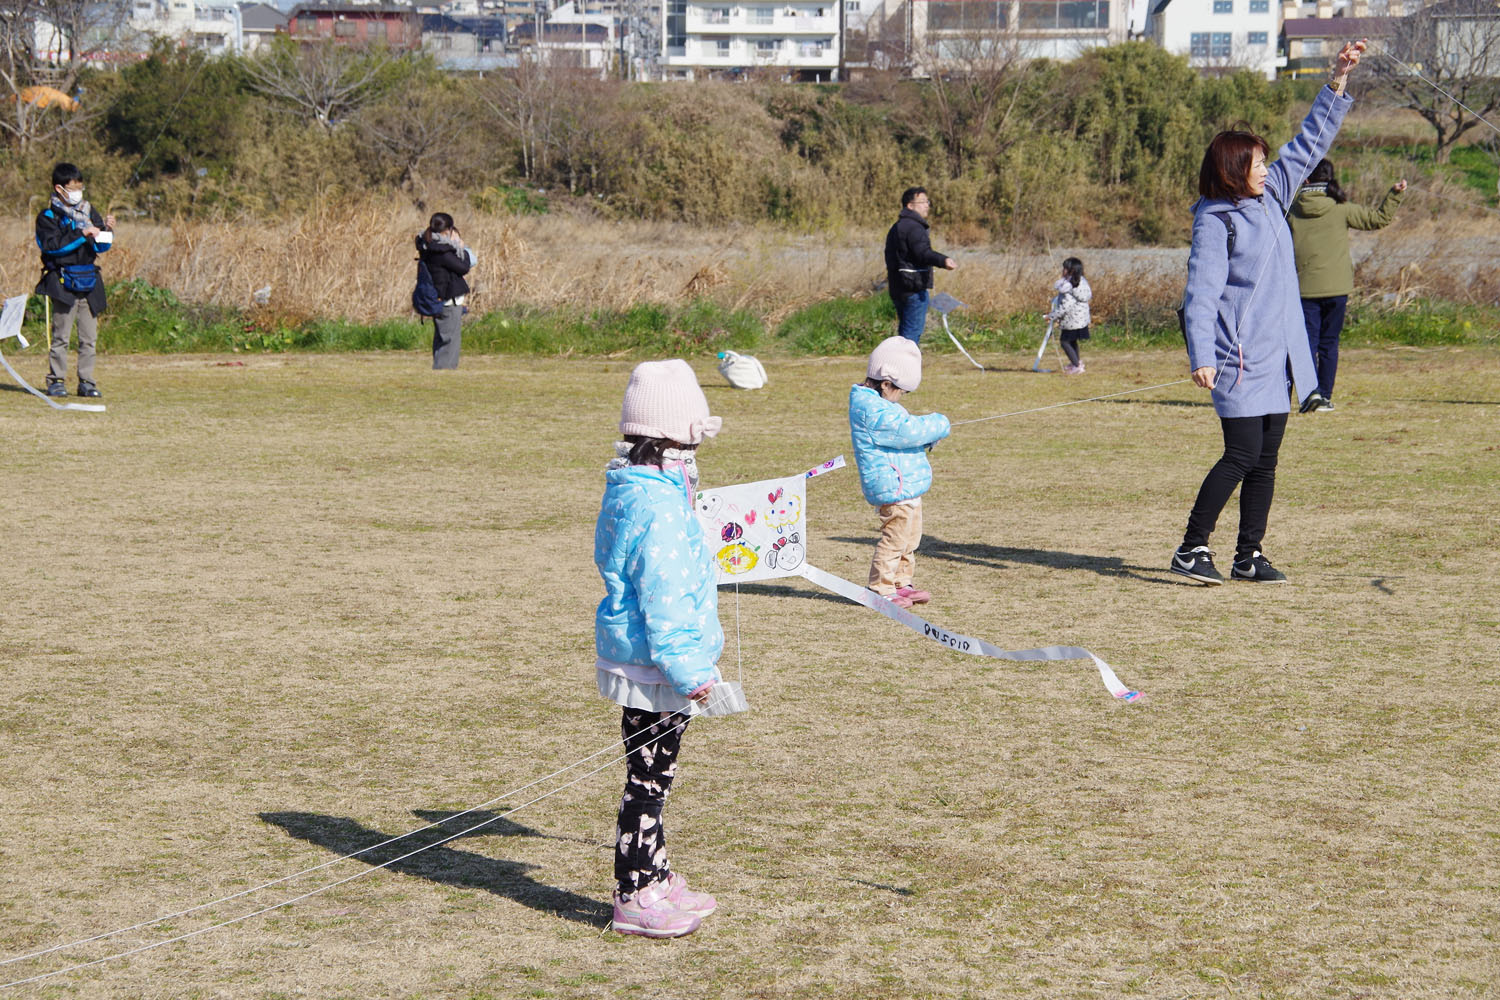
(1226, 164)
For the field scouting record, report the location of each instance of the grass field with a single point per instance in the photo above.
(267, 611)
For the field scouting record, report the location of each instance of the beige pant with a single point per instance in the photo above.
(88, 336)
(895, 553)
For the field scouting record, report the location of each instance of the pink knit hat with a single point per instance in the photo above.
(897, 360)
(663, 401)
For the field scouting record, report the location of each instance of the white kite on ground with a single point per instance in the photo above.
(10, 326)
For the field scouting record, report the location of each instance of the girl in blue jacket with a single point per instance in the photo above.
(890, 448)
(1242, 315)
(656, 631)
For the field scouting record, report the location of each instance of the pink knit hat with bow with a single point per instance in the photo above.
(663, 400)
(897, 360)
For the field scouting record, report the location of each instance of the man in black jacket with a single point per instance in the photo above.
(909, 260)
(71, 235)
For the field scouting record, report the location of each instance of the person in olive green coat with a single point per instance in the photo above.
(1320, 220)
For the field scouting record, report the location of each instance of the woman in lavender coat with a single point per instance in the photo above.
(1243, 317)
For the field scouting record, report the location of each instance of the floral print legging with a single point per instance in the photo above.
(652, 740)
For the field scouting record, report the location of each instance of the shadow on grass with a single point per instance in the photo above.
(1002, 556)
(1450, 402)
(342, 836)
(771, 590)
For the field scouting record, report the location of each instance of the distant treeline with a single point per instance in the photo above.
(1101, 150)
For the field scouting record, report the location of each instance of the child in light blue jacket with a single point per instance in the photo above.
(656, 631)
(890, 448)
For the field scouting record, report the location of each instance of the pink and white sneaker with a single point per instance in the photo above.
(688, 901)
(914, 595)
(651, 914)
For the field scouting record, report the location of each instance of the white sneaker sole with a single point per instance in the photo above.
(651, 932)
(1210, 581)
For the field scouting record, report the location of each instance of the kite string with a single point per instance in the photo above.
(1382, 51)
(308, 871)
(351, 878)
(1070, 402)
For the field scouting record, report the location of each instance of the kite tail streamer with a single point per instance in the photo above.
(963, 643)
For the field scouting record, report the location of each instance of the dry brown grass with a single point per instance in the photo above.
(257, 615)
(356, 262)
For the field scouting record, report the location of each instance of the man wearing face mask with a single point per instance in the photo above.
(71, 235)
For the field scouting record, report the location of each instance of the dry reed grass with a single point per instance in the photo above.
(355, 263)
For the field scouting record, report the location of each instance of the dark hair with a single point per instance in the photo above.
(647, 450)
(440, 222)
(910, 195)
(64, 174)
(1073, 270)
(1324, 173)
(1226, 164)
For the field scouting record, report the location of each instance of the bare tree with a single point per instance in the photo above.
(412, 126)
(325, 82)
(583, 128)
(975, 76)
(48, 44)
(523, 102)
(1456, 46)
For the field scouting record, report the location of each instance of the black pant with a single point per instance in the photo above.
(652, 739)
(1324, 319)
(1250, 448)
(1070, 339)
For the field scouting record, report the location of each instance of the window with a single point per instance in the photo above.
(967, 16)
(344, 29)
(1258, 38)
(676, 24)
(721, 48)
(762, 15)
(1066, 14)
(767, 46)
(1312, 47)
(1223, 6)
(1198, 45)
(1221, 45)
(375, 31)
(716, 15)
(851, 6)
(1260, 6)
(811, 50)
(307, 24)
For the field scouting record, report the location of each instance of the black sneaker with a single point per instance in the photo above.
(88, 389)
(55, 387)
(1327, 407)
(1256, 568)
(1313, 402)
(1196, 564)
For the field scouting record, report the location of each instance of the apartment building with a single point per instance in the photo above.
(794, 39)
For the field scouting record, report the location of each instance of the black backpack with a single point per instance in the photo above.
(424, 298)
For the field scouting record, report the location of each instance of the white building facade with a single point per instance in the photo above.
(793, 38)
(1219, 34)
(215, 26)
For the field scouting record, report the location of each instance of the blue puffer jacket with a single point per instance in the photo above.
(889, 446)
(661, 597)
